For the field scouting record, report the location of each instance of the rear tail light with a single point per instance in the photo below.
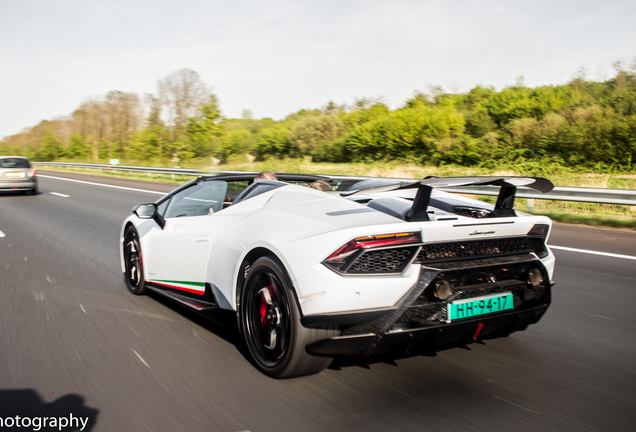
(344, 256)
(32, 172)
(372, 241)
(540, 230)
(538, 237)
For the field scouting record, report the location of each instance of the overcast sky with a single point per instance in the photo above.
(274, 57)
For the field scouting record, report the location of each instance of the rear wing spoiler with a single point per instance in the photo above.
(419, 211)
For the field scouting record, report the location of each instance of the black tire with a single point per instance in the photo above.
(270, 323)
(134, 275)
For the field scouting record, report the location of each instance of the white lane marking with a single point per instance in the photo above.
(606, 254)
(1, 234)
(600, 316)
(141, 358)
(59, 194)
(518, 406)
(104, 185)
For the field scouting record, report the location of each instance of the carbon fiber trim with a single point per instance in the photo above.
(435, 252)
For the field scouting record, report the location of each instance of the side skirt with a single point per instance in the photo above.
(196, 304)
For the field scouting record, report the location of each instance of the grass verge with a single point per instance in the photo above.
(591, 220)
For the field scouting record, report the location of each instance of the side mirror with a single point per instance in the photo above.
(145, 211)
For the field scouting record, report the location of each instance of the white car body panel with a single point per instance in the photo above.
(181, 250)
(302, 244)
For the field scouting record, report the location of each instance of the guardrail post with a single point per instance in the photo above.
(530, 205)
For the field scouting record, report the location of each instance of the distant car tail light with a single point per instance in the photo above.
(344, 256)
(32, 172)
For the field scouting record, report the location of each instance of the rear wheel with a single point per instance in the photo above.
(134, 275)
(270, 321)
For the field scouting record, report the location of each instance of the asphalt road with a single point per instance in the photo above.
(74, 342)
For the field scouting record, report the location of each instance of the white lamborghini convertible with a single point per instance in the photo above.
(384, 267)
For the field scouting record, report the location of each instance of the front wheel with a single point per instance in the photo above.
(133, 263)
(270, 322)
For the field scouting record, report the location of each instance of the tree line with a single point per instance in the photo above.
(583, 125)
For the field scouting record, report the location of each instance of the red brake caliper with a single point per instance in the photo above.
(263, 311)
(264, 305)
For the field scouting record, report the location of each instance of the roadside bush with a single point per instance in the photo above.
(407, 134)
(274, 142)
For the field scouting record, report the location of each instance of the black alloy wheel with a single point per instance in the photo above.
(270, 322)
(134, 275)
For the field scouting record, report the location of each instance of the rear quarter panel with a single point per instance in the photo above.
(302, 227)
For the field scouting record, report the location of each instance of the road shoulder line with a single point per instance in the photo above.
(606, 254)
(103, 185)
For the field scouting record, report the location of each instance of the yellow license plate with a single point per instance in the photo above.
(14, 174)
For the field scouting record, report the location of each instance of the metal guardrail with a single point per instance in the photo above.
(563, 193)
(559, 193)
(114, 168)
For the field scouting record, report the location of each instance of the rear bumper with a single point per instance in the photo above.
(18, 185)
(419, 322)
(429, 339)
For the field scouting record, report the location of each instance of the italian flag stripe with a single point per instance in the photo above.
(192, 287)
